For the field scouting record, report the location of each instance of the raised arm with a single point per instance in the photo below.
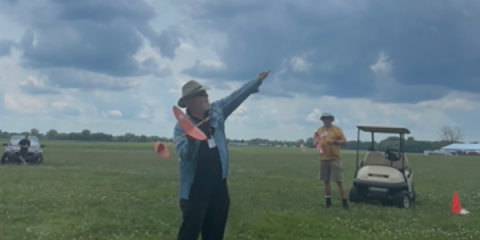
(230, 103)
(185, 148)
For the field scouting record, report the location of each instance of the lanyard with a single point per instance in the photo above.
(208, 125)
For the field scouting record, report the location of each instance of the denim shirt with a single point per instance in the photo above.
(219, 112)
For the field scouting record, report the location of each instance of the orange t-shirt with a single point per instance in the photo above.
(330, 151)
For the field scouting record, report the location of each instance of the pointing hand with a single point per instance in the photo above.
(263, 75)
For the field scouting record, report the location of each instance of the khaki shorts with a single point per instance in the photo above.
(331, 170)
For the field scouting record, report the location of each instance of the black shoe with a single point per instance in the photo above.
(345, 204)
(328, 202)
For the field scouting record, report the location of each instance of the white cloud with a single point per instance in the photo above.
(186, 47)
(115, 113)
(299, 64)
(34, 82)
(314, 115)
(300, 116)
(383, 66)
(24, 104)
(448, 103)
(59, 105)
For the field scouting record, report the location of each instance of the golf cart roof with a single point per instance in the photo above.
(383, 129)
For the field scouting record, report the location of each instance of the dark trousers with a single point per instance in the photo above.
(206, 216)
(23, 153)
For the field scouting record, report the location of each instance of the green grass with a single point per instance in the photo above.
(123, 191)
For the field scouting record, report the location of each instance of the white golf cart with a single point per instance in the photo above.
(383, 176)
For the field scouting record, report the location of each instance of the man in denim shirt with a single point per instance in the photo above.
(204, 165)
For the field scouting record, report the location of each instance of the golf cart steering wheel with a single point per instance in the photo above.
(393, 155)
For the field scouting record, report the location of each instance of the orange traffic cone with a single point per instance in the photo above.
(457, 207)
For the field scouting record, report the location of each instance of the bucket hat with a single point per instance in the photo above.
(189, 89)
(327, 115)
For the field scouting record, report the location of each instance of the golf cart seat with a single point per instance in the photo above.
(378, 158)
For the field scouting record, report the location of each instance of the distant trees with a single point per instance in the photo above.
(87, 135)
(451, 134)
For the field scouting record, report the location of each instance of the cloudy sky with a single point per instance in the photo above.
(117, 66)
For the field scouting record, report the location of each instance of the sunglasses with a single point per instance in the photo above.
(200, 94)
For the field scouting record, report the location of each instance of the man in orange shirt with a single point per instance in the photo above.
(328, 140)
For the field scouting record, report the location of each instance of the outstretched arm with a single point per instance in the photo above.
(230, 103)
(185, 146)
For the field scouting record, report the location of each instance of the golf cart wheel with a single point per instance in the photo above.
(402, 199)
(4, 159)
(354, 195)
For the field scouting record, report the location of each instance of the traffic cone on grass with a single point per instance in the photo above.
(457, 207)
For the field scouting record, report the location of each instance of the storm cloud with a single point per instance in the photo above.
(332, 47)
(98, 37)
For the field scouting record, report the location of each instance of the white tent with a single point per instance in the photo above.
(461, 147)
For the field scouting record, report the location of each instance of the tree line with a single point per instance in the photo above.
(86, 135)
(448, 135)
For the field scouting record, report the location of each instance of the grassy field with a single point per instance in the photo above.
(123, 191)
